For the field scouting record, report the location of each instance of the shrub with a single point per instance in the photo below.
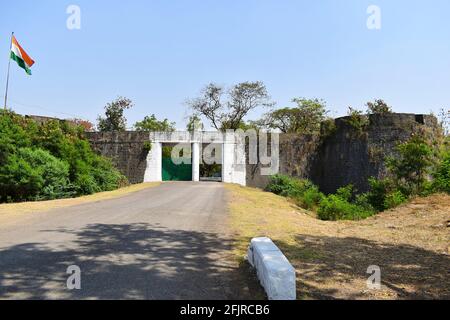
(19, 181)
(147, 147)
(394, 199)
(333, 208)
(106, 176)
(357, 119)
(54, 172)
(14, 133)
(34, 175)
(346, 192)
(362, 200)
(411, 167)
(285, 185)
(441, 176)
(339, 206)
(89, 172)
(304, 192)
(327, 128)
(379, 189)
(61, 163)
(378, 107)
(86, 184)
(310, 198)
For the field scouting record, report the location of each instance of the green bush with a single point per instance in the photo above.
(333, 208)
(86, 184)
(34, 175)
(310, 198)
(105, 175)
(19, 181)
(89, 173)
(412, 165)
(147, 147)
(441, 176)
(362, 200)
(304, 192)
(345, 193)
(61, 162)
(280, 184)
(357, 119)
(288, 186)
(54, 172)
(394, 199)
(379, 189)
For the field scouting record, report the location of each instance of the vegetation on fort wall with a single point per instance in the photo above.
(418, 169)
(49, 161)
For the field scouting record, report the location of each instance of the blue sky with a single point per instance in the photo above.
(159, 53)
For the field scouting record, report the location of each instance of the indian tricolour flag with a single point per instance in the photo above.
(20, 56)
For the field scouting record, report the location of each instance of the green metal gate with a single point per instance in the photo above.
(176, 172)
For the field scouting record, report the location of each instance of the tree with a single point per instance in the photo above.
(378, 107)
(413, 164)
(194, 123)
(441, 174)
(357, 119)
(151, 124)
(229, 114)
(114, 120)
(85, 124)
(305, 118)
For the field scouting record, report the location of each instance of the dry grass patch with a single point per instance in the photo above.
(410, 244)
(39, 206)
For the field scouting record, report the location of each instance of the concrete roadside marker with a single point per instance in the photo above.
(274, 271)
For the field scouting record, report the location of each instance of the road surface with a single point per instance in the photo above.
(166, 242)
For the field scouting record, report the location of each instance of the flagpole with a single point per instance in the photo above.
(7, 76)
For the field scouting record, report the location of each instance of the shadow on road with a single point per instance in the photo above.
(133, 261)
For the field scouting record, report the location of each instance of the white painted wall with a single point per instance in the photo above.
(153, 172)
(195, 161)
(227, 162)
(239, 165)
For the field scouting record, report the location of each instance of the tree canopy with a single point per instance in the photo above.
(378, 107)
(194, 123)
(226, 109)
(152, 124)
(114, 119)
(304, 118)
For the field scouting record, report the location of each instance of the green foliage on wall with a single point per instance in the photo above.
(357, 119)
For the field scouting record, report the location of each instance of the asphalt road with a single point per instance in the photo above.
(166, 242)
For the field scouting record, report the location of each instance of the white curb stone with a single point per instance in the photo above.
(275, 273)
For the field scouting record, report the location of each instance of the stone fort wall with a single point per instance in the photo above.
(346, 155)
